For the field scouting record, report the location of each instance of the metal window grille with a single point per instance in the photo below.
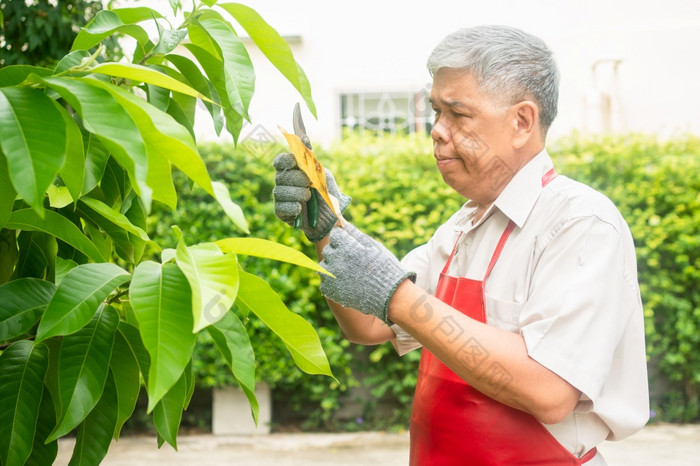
(386, 112)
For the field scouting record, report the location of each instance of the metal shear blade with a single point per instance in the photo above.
(299, 128)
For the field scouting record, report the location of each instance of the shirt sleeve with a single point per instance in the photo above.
(582, 295)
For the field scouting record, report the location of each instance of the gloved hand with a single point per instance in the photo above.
(292, 191)
(367, 274)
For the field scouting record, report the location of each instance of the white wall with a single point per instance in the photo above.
(383, 45)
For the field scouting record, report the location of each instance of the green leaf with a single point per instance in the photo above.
(59, 196)
(274, 47)
(73, 171)
(144, 74)
(117, 131)
(160, 171)
(164, 136)
(33, 138)
(115, 184)
(188, 105)
(125, 368)
(196, 79)
(214, 68)
(136, 214)
(191, 72)
(96, 157)
(233, 210)
(37, 251)
(63, 266)
(175, 110)
(162, 302)
(73, 59)
(191, 382)
(167, 414)
(78, 296)
(44, 453)
(114, 217)
(209, 2)
(133, 339)
(83, 364)
(213, 279)
(297, 334)
(7, 191)
(95, 432)
(169, 40)
(105, 23)
(137, 14)
(16, 74)
(175, 5)
(51, 379)
(9, 254)
(199, 37)
(232, 341)
(57, 225)
(158, 97)
(22, 369)
(238, 69)
(22, 302)
(267, 249)
(105, 235)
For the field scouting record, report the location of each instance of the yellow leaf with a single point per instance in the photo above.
(308, 163)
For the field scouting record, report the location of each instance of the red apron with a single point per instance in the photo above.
(453, 423)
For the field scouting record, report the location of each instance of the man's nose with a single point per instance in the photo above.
(440, 131)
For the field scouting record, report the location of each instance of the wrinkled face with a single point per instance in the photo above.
(471, 136)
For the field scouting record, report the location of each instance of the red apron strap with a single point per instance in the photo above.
(499, 247)
(549, 176)
(546, 178)
(589, 456)
(452, 254)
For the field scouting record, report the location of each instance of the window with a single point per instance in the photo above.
(386, 112)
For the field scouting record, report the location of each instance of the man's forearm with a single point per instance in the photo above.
(492, 360)
(355, 326)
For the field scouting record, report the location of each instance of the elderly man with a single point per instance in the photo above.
(525, 301)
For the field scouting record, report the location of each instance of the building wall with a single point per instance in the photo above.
(365, 45)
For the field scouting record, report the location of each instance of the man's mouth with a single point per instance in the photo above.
(442, 160)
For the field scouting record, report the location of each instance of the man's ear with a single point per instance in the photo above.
(526, 124)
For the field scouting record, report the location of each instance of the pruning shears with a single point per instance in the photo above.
(312, 203)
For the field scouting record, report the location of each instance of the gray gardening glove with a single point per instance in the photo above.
(366, 273)
(292, 191)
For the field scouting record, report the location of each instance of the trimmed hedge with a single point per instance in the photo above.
(400, 198)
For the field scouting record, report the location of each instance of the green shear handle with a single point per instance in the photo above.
(312, 203)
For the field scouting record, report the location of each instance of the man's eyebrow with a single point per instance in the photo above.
(452, 104)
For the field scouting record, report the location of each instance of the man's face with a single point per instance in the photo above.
(471, 136)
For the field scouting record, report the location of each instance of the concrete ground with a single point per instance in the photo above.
(656, 445)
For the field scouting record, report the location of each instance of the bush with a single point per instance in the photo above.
(400, 198)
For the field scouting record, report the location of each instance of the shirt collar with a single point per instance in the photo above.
(520, 194)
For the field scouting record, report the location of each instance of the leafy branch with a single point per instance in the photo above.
(83, 160)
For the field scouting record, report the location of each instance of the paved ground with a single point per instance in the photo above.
(658, 445)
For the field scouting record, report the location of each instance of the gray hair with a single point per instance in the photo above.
(505, 61)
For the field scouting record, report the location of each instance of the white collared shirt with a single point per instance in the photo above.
(566, 281)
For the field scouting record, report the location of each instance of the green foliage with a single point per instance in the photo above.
(654, 184)
(399, 197)
(86, 317)
(40, 32)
